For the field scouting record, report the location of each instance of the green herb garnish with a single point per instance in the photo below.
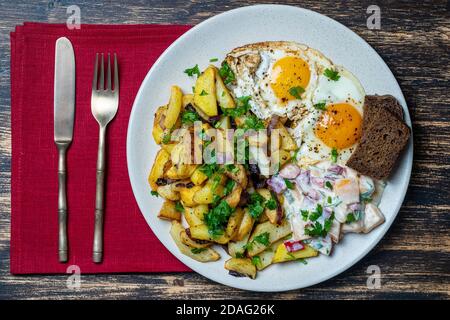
(232, 168)
(197, 250)
(332, 74)
(240, 255)
(191, 71)
(296, 92)
(226, 73)
(189, 117)
(217, 218)
(256, 205)
(166, 138)
(289, 184)
(210, 168)
(271, 204)
(305, 214)
(154, 193)
(203, 93)
(334, 155)
(179, 207)
(253, 122)
(262, 238)
(350, 218)
(213, 60)
(242, 107)
(320, 106)
(329, 185)
(229, 187)
(319, 230)
(256, 261)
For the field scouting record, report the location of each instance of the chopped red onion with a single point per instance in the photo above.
(277, 184)
(313, 194)
(355, 206)
(317, 181)
(293, 245)
(337, 169)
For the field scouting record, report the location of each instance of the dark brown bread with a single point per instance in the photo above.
(384, 135)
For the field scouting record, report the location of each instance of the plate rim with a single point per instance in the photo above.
(408, 152)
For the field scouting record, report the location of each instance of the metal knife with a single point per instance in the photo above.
(64, 115)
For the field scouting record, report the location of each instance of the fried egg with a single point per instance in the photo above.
(335, 119)
(280, 77)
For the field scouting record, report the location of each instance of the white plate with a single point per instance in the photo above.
(213, 38)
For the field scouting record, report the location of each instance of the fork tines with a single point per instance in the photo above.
(98, 83)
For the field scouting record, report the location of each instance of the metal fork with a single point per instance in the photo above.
(104, 105)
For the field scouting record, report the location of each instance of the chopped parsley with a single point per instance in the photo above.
(210, 169)
(320, 106)
(197, 250)
(166, 138)
(216, 180)
(296, 92)
(289, 184)
(213, 60)
(191, 71)
(262, 238)
(217, 218)
(256, 261)
(226, 73)
(319, 230)
(253, 122)
(332, 74)
(203, 93)
(189, 117)
(229, 187)
(154, 193)
(350, 218)
(302, 261)
(329, 185)
(305, 214)
(334, 155)
(329, 200)
(256, 205)
(179, 207)
(294, 156)
(239, 255)
(271, 204)
(242, 107)
(232, 168)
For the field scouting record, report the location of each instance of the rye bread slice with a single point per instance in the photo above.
(384, 136)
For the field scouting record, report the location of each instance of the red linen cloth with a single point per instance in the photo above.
(129, 244)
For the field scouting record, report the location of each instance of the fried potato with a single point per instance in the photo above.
(201, 232)
(234, 222)
(224, 97)
(266, 257)
(205, 93)
(198, 177)
(206, 255)
(187, 196)
(241, 266)
(157, 171)
(168, 192)
(191, 218)
(287, 142)
(237, 249)
(239, 175)
(276, 232)
(192, 242)
(180, 171)
(174, 107)
(158, 124)
(168, 211)
(282, 255)
(168, 147)
(234, 197)
(281, 157)
(274, 215)
(206, 194)
(245, 227)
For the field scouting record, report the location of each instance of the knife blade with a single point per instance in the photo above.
(64, 115)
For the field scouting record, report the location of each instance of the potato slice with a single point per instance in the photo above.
(287, 142)
(266, 257)
(187, 196)
(206, 194)
(198, 177)
(174, 107)
(224, 97)
(168, 211)
(180, 171)
(275, 232)
(237, 249)
(241, 267)
(282, 255)
(206, 255)
(188, 99)
(234, 197)
(275, 216)
(158, 131)
(245, 227)
(191, 218)
(280, 157)
(238, 174)
(234, 222)
(201, 232)
(162, 157)
(192, 242)
(168, 192)
(205, 93)
(168, 147)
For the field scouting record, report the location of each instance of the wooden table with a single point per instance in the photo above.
(413, 256)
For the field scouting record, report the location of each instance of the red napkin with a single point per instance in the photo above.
(129, 244)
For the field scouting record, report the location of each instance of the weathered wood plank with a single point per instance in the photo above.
(413, 256)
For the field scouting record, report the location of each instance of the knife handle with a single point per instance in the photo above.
(62, 202)
(97, 254)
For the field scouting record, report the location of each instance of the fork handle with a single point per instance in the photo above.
(97, 255)
(62, 202)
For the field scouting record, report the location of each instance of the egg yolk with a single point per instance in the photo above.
(339, 126)
(289, 78)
